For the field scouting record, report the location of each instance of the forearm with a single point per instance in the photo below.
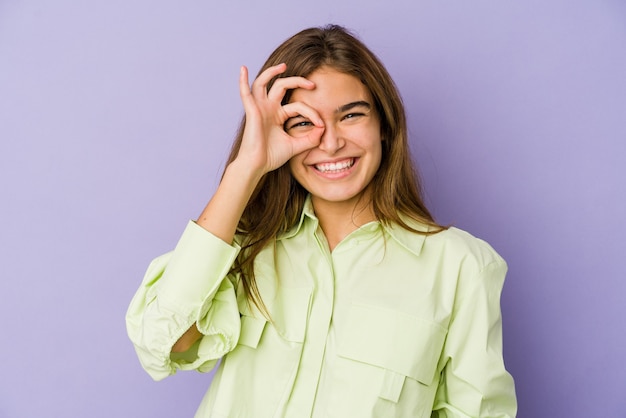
(182, 288)
(221, 215)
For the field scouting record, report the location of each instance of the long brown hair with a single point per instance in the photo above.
(278, 199)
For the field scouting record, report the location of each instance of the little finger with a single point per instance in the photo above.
(281, 85)
(259, 86)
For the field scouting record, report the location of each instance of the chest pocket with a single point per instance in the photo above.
(289, 311)
(404, 346)
(266, 352)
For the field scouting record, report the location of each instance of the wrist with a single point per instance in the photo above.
(243, 172)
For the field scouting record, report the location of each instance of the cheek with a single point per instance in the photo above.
(376, 150)
(296, 165)
(373, 142)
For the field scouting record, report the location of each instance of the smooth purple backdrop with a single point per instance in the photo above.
(116, 116)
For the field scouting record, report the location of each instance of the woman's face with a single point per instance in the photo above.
(341, 167)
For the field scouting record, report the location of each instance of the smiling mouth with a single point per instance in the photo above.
(336, 167)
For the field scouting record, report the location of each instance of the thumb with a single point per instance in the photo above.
(311, 140)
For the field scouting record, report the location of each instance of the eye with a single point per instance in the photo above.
(299, 123)
(352, 116)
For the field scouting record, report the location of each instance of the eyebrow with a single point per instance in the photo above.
(350, 106)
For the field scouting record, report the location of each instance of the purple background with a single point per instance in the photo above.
(116, 116)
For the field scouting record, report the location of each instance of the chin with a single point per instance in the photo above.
(338, 197)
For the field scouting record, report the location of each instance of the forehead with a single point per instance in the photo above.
(332, 90)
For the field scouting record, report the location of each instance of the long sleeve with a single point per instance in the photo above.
(474, 382)
(186, 286)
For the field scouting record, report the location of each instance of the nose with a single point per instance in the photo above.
(331, 140)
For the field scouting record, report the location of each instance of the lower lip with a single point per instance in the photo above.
(336, 175)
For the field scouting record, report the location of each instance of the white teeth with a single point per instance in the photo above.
(328, 167)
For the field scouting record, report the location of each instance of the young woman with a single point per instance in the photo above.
(315, 273)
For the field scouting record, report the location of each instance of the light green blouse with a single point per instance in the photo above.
(389, 324)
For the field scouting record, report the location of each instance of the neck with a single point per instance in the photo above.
(339, 219)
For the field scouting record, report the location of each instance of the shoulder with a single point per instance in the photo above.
(460, 243)
(452, 246)
(472, 260)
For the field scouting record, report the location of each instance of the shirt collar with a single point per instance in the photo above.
(409, 240)
(307, 212)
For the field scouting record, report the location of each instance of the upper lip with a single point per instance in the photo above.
(333, 161)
